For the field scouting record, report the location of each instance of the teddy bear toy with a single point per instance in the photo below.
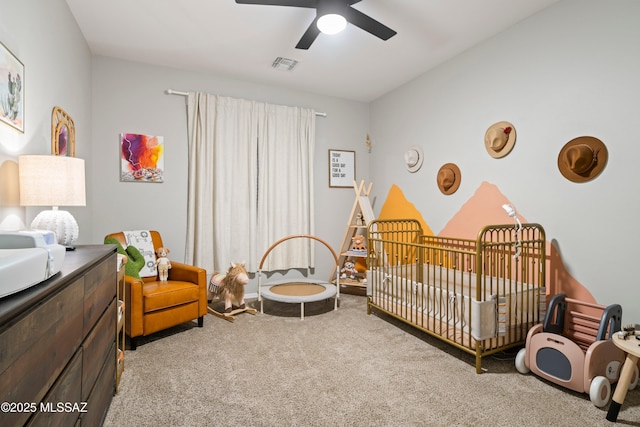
(163, 264)
(349, 270)
(357, 244)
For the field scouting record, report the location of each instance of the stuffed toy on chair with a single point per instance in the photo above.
(135, 258)
(163, 264)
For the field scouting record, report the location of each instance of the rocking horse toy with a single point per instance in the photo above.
(229, 288)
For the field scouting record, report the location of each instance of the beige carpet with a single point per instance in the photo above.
(334, 368)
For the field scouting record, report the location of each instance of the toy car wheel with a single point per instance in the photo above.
(600, 391)
(520, 365)
(634, 380)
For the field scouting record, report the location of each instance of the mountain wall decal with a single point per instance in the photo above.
(484, 208)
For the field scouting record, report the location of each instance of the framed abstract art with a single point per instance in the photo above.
(141, 158)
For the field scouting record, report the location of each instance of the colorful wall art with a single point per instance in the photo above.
(141, 158)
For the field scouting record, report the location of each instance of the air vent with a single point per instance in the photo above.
(284, 64)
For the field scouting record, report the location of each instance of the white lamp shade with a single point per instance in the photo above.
(51, 181)
(331, 23)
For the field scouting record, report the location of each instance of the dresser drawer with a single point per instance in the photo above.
(97, 347)
(65, 390)
(102, 394)
(99, 291)
(35, 350)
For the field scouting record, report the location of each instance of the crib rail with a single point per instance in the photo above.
(481, 295)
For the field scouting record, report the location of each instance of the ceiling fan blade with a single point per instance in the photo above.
(309, 36)
(292, 3)
(368, 24)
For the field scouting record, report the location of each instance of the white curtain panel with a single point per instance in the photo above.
(285, 184)
(250, 181)
(222, 197)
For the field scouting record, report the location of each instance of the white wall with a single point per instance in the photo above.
(568, 71)
(571, 70)
(57, 61)
(130, 97)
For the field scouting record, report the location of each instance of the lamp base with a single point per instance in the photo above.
(60, 222)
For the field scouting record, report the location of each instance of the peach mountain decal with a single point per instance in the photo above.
(396, 206)
(485, 207)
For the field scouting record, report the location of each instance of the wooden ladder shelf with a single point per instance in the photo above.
(359, 219)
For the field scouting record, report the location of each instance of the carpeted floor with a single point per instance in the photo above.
(334, 368)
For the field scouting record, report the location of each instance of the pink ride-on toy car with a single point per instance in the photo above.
(573, 348)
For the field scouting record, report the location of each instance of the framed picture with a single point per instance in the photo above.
(63, 133)
(11, 89)
(342, 168)
(141, 158)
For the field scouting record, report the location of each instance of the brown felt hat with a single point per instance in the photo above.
(500, 139)
(449, 178)
(582, 159)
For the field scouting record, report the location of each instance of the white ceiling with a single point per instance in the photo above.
(242, 41)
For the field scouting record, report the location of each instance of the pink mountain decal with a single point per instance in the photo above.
(483, 208)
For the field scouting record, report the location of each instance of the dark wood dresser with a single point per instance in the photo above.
(57, 344)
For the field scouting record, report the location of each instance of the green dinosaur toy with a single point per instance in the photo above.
(136, 260)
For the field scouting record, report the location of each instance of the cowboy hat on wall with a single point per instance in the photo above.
(413, 158)
(582, 159)
(448, 178)
(500, 139)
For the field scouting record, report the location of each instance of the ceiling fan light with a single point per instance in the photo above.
(331, 23)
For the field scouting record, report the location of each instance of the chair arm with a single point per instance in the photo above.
(197, 275)
(187, 273)
(134, 306)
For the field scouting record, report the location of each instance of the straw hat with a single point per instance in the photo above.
(413, 157)
(449, 178)
(582, 158)
(500, 139)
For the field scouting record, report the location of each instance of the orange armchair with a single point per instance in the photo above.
(152, 305)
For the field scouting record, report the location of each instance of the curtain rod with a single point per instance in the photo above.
(176, 92)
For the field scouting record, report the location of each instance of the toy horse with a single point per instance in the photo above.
(229, 287)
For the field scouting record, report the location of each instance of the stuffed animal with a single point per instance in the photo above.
(135, 261)
(349, 270)
(230, 287)
(357, 244)
(163, 264)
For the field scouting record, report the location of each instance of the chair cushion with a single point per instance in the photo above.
(161, 295)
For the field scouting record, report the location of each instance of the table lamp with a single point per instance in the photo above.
(47, 180)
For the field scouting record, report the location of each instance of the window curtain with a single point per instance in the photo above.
(249, 182)
(285, 184)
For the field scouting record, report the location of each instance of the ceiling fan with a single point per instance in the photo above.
(326, 9)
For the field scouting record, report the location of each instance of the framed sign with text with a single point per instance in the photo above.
(342, 168)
